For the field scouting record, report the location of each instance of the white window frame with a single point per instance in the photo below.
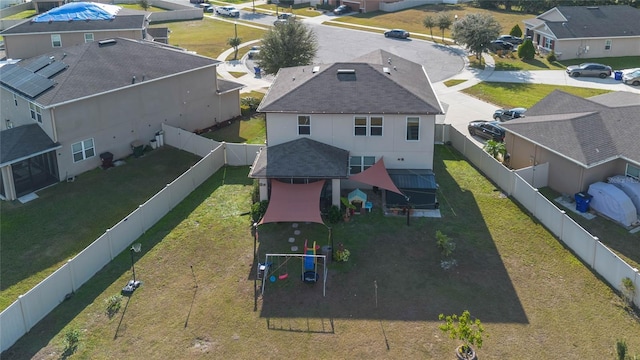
(373, 129)
(412, 120)
(547, 42)
(632, 171)
(56, 40)
(85, 148)
(88, 37)
(359, 126)
(304, 127)
(36, 112)
(608, 44)
(363, 162)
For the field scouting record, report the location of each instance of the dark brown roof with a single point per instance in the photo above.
(379, 82)
(596, 21)
(301, 158)
(95, 68)
(583, 130)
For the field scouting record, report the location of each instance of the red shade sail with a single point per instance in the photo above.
(376, 175)
(294, 202)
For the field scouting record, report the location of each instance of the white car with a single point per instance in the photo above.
(227, 11)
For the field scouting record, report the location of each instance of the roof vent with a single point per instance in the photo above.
(106, 42)
(133, 79)
(346, 71)
(593, 7)
(386, 70)
(315, 69)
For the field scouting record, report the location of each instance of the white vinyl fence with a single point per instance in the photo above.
(587, 247)
(30, 308)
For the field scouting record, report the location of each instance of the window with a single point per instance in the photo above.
(56, 40)
(82, 150)
(359, 164)
(360, 126)
(633, 171)
(376, 126)
(413, 128)
(36, 112)
(607, 44)
(304, 125)
(88, 37)
(548, 43)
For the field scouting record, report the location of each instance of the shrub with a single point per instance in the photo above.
(342, 254)
(628, 290)
(71, 341)
(551, 57)
(113, 304)
(258, 210)
(526, 51)
(445, 244)
(516, 31)
(463, 328)
(621, 349)
(334, 214)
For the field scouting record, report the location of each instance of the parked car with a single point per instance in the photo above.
(589, 69)
(228, 11)
(397, 33)
(206, 7)
(489, 130)
(496, 45)
(253, 52)
(632, 78)
(286, 16)
(509, 114)
(342, 9)
(511, 39)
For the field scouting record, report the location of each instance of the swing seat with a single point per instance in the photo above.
(283, 276)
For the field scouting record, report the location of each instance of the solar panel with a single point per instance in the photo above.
(24, 80)
(36, 85)
(52, 69)
(38, 64)
(14, 75)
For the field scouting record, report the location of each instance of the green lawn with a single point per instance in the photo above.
(198, 270)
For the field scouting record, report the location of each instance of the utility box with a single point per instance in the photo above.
(138, 148)
(582, 201)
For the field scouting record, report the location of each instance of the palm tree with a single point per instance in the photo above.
(495, 149)
(444, 22)
(430, 23)
(234, 42)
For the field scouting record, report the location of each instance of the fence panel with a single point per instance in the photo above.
(181, 187)
(500, 175)
(549, 215)
(474, 153)
(524, 193)
(45, 296)
(188, 141)
(125, 232)
(12, 323)
(537, 175)
(578, 240)
(89, 261)
(457, 139)
(611, 267)
(241, 154)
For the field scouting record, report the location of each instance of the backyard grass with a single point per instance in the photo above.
(510, 95)
(541, 63)
(39, 236)
(529, 291)
(248, 130)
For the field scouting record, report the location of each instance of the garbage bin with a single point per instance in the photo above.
(617, 75)
(582, 201)
(138, 148)
(107, 160)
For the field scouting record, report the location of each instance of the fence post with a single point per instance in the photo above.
(636, 283)
(110, 243)
(26, 321)
(564, 215)
(71, 277)
(595, 249)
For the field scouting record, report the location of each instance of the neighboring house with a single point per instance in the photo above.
(73, 24)
(333, 121)
(587, 31)
(61, 110)
(582, 140)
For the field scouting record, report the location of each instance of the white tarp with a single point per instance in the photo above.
(630, 186)
(612, 203)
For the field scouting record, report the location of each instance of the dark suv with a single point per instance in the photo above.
(509, 114)
(342, 9)
(489, 130)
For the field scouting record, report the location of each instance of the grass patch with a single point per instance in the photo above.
(21, 15)
(523, 95)
(237, 74)
(250, 130)
(298, 9)
(453, 82)
(512, 63)
(151, 8)
(38, 237)
(512, 274)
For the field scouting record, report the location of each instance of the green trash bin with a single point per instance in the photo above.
(138, 148)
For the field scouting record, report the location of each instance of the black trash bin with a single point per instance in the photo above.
(107, 160)
(582, 201)
(138, 148)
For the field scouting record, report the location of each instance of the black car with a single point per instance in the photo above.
(511, 39)
(397, 33)
(496, 45)
(489, 130)
(508, 114)
(342, 9)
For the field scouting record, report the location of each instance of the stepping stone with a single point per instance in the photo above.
(292, 239)
(294, 225)
(294, 248)
(297, 232)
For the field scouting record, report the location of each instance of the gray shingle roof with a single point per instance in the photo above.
(402, 88)
(583, 130)
(596, 21)
(123, 21)
(95, 69)
(23, 141)
(301, 158)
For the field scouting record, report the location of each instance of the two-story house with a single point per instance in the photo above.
(62, 110)
(73, 24)
(331, 121)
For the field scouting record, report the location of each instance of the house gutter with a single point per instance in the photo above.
(53, 124)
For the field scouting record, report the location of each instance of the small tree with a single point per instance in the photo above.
(551, 57)
(476, 31)
(71, 341)
(526, 51)
(621, 349)
(628, 290)
(234, 42)
(516, 31)
(144, 4)
(289, 44)
(444, 22)
(429, 23)
(463, 328)
(495, 149)
(446, 247)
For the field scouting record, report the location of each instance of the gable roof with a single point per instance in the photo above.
(23, 142)
(583, 130)
(377, 83)
(568, 22)
(103, 66)
(301, 158)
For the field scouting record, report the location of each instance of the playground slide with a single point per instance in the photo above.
(309, 261)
